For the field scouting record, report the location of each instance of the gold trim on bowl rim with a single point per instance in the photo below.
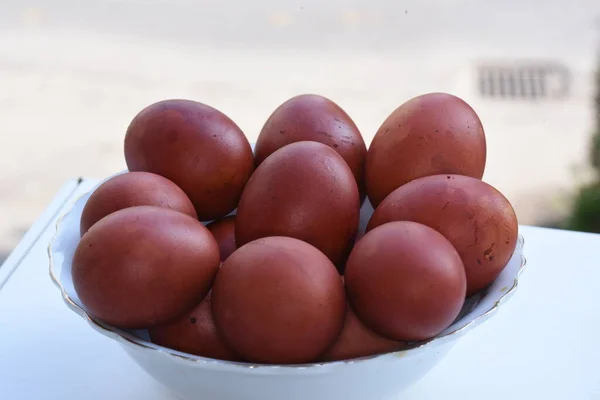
(112, 333)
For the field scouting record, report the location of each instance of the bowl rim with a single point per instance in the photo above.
(144, 345)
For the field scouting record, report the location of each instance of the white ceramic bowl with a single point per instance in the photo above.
(192, 377)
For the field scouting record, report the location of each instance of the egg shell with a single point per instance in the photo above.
(223, 231)
(278, 300)
(436, 133)
(194, 333)
(475, 217)
(143, 266)
(133, 189)
(304, 190)
(314, 118)
(196, 146)
(357, 341)
(405, 281)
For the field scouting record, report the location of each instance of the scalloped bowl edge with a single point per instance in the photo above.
(126, 338)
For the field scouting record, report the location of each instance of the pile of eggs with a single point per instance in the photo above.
(259, 256)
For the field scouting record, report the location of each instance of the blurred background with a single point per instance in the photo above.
(74, 73)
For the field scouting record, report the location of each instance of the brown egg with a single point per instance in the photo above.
(143, 266)
(278, 300)
(194, 333)
(304, 190)
(197, 147)
(133, 189)
(432, 134)
(405, 281)
(475, 217)
(356, 341)
(314, 118)
(223, 231)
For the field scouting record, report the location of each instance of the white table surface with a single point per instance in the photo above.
(542, 344)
